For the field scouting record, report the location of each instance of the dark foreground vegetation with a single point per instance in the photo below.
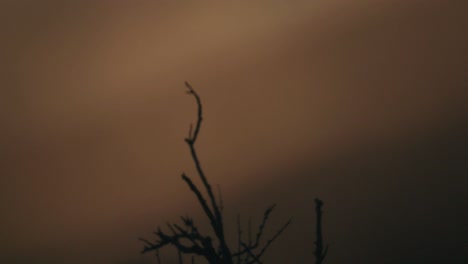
(187, 238)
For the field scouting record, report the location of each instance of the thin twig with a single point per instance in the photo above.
(320, 252)
(249, 252)
(239, 238)
(217, 224)
(278, 233)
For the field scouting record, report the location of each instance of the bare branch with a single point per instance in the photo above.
(262, 225)
(217, 224)
(278, 233)
(249, 252)
(239, 238)
(202, 201)
(320, 253)
(193, 138)
(187, 239)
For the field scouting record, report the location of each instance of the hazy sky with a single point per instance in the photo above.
(361, 103)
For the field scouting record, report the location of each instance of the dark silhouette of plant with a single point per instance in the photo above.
(320, 252)
(187, 238)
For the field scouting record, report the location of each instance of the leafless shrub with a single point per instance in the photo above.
(188, 239)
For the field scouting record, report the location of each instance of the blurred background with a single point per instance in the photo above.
(361, 103)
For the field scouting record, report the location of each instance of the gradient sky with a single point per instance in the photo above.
(361, 103)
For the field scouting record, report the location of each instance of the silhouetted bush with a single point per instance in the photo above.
(187, 238)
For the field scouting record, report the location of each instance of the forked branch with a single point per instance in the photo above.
(187, 239)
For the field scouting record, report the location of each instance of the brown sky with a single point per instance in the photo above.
(362, 103)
